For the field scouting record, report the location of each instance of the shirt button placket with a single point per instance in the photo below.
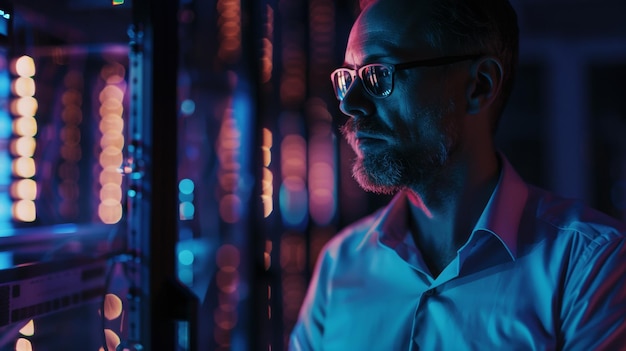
(417, 316)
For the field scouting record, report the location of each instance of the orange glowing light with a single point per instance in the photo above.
(112, 138)
(227, 257)
(293, 156)
(28, 329)
(112, 110)
(112, 339)
(230, 208)
(23, 66)
(70, 135)
(225, 319)
(268, 191)
(112, 143)
(294, 184)
(228, 181)
(115, 79)
(227, 281)
(23, 86)
(111, 192)
(227, 302)
(266, 147)
(110, 212)
(72, 97)
(23, 146)
(23, 345)
(25, 126)
(266, 61)
(111, 92)
(24, 167)
(111, 175)
(71, 152)
(267, 258)
(72, 114)
(24, 106)
(112, 73)
(229, 22)
(111, 125)
(24, 211)
(268, 205)
(268, 178)
(25, 189)
(112, 306)
(111, 156)
(292, 253)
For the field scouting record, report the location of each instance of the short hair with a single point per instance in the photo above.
(486, 26)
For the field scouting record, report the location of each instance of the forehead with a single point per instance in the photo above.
(389, 28)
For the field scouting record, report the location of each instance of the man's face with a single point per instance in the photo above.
(405, 139)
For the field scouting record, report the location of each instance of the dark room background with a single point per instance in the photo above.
(186, 155)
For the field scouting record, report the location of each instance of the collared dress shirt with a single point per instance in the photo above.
(538, 272)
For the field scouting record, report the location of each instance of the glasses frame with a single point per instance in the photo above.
(438, 61)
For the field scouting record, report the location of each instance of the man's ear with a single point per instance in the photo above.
(486, 83)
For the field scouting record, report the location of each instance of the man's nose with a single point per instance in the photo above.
(356, 102)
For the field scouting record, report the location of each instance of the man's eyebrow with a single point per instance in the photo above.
(366, 61)
(382, 54)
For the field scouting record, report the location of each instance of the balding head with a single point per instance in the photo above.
(451, 27)
(381, 26)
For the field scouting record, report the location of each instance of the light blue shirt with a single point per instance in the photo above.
(537, 273)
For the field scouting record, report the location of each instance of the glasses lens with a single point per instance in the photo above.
(377, 79)
(342, 79)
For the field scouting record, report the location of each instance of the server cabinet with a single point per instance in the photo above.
(64, 97)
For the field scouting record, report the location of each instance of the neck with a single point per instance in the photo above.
(443, 216)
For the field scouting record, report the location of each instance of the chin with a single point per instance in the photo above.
(382, 181)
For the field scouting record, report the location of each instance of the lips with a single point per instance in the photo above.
(361, 137)
(367, 136)
(369, 141)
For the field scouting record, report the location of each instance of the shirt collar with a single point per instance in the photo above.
(501, 217)
(391, 225)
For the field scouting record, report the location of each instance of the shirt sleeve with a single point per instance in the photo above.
(307, 333)
(594, 301)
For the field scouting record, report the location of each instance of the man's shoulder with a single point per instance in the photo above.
(575, 216)
(356, 236)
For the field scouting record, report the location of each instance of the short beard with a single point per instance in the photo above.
(393, 169)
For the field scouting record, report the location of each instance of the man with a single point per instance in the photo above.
(466, 256)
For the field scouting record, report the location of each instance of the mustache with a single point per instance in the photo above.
(354, 125)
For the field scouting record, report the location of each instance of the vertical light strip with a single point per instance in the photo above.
(267, 143)
(227, 279)
(111, 142)
(293, 193)
(186, 208)
(267, 58)
(229, 27)
(293, 190)
(322, 180)
(267, 195)
(322, 175)
(23, 144)
(229, 174)
(230, 178)
(70, 136)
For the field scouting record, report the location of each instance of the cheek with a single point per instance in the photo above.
(424, 112)
(408, 113)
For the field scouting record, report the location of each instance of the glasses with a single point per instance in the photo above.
(377, 78)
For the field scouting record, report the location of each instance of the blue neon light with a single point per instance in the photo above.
(186, 186)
